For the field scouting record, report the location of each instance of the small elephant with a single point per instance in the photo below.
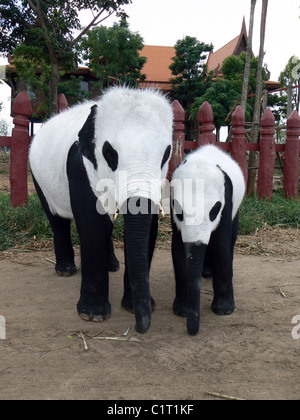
(87, 163)
(207, 190)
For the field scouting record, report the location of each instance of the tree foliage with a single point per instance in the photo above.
(44, 30)
(113, 54)
(291, 72)
(221, 96)
(233, 70)
(190, 70)
(290, 75)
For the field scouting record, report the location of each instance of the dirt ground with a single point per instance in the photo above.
(50, 353)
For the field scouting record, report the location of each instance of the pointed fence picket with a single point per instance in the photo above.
(19, 143)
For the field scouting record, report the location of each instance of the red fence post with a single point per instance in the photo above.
(206, 126)
(291, 157)
(178, 138)
(62, 103)
(267, 156)
(238, 144)
(19, 150)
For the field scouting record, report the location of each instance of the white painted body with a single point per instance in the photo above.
(206, 165)
(138, 125)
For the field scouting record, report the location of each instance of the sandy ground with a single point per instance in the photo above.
(250, 354)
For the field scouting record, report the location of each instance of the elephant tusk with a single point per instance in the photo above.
(161, 211)
(117, 212)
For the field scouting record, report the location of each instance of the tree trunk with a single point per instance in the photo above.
(54, 79)
(248, 58)
(253, 158)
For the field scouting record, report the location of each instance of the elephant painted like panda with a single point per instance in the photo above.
(89, 161)
(206, 192)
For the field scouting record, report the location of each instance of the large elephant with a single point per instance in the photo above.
(206, 192)
(88, 162)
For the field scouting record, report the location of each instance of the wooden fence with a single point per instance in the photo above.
(238, 147)
(20, 140)
(19, 143)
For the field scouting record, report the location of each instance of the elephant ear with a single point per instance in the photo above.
(86, 143)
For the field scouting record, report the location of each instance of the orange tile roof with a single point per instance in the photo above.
(157, 67)
(215, 59)
(234, 47)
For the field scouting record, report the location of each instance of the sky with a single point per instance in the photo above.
(164, 22)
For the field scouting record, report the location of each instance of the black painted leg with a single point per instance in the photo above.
(221, 244)
(179, 263)
(113, 263)
(94, 295)
(64, 253)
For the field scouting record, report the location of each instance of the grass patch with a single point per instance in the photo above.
(22, 225)
(256, 213)
(26, 223)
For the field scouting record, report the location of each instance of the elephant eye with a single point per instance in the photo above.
(177, 209)
(215, 211)
(166, 156)
(111, 156)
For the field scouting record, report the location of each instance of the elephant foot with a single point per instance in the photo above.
(127, 304)
(113, 265)
(65, 269)
(223, 306)
(93, 313)
(180, 308)
(207, 273)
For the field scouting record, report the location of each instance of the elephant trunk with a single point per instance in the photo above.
(137, 229)
(195, 254)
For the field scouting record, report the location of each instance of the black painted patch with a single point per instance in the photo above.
(215, 211)
(178, 210)
(228, 190)
(86, 136)
(166, 156)
(111, 156)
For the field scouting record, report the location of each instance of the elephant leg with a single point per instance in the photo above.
(113, 263)
(127, 297)
(126, 302)
(222, 252)
(94, 295)
(207, 265)
(235, 229)
(65, 265)
(179, 263)
(221, 244)
(94, 231)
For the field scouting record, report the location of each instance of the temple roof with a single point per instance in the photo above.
(234, 47)
(157, 69)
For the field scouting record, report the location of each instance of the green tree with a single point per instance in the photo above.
(113, 54)
(221, 96)
(233, 71)
(291, 76)
(46, 30)
(4, 128)
(190, 70)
